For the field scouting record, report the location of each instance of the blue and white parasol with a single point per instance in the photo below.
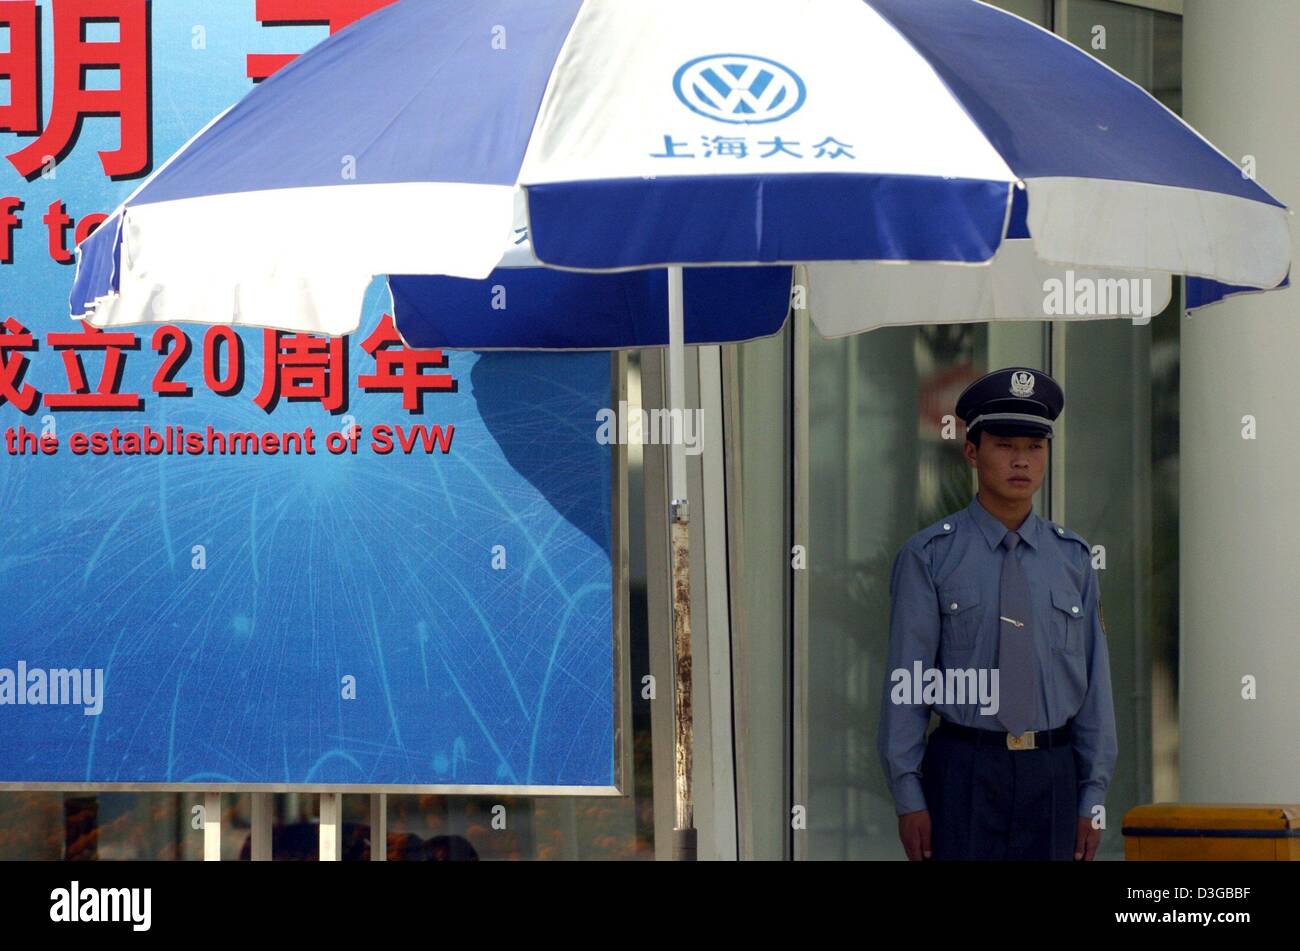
(444, 138)
(633, 174)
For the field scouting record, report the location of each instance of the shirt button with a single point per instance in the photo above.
(953, 606)
(1060, 531)
(947, 527)
(1075, 609)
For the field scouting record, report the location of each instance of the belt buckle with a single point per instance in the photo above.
(1024, 741)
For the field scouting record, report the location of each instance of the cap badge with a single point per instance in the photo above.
(1022, 383)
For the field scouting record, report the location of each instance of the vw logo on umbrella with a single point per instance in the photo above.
(739, 88)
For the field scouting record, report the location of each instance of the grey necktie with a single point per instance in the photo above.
(1017, 666)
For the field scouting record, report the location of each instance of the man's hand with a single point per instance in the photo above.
(1086, 840)
(914, 833)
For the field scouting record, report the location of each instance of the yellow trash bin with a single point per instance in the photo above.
(1170, 831)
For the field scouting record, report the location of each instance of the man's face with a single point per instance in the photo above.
(1010, 468)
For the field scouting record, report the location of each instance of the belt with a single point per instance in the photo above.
(1030, 740)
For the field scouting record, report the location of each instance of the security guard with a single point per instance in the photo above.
(995, 591)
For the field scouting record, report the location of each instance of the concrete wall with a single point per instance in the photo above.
(1240, 499)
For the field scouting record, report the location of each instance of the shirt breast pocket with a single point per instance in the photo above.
(960, 625)
(1068, 620)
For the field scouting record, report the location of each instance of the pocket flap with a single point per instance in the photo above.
(1067, 600)
(955, 600)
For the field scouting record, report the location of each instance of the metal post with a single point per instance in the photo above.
(684, 836)
(212, 827)
(331, 827)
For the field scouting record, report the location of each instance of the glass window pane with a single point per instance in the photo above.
(883, 465)
(1144, 45)
(761, 669)
(1121, 458)
(1035, 11)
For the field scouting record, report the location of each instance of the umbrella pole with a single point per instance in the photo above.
(684, 839)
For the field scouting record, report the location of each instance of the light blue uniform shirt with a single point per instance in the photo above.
(944, 593)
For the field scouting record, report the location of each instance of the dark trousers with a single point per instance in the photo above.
(992, 803)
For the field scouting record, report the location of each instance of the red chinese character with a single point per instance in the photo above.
(412, 382)
(21, 65)
(318, 364)
(14, 336)
(335, 13)
(74, 57)
(106, 395)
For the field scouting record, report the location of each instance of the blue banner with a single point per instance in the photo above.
(259, 557)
